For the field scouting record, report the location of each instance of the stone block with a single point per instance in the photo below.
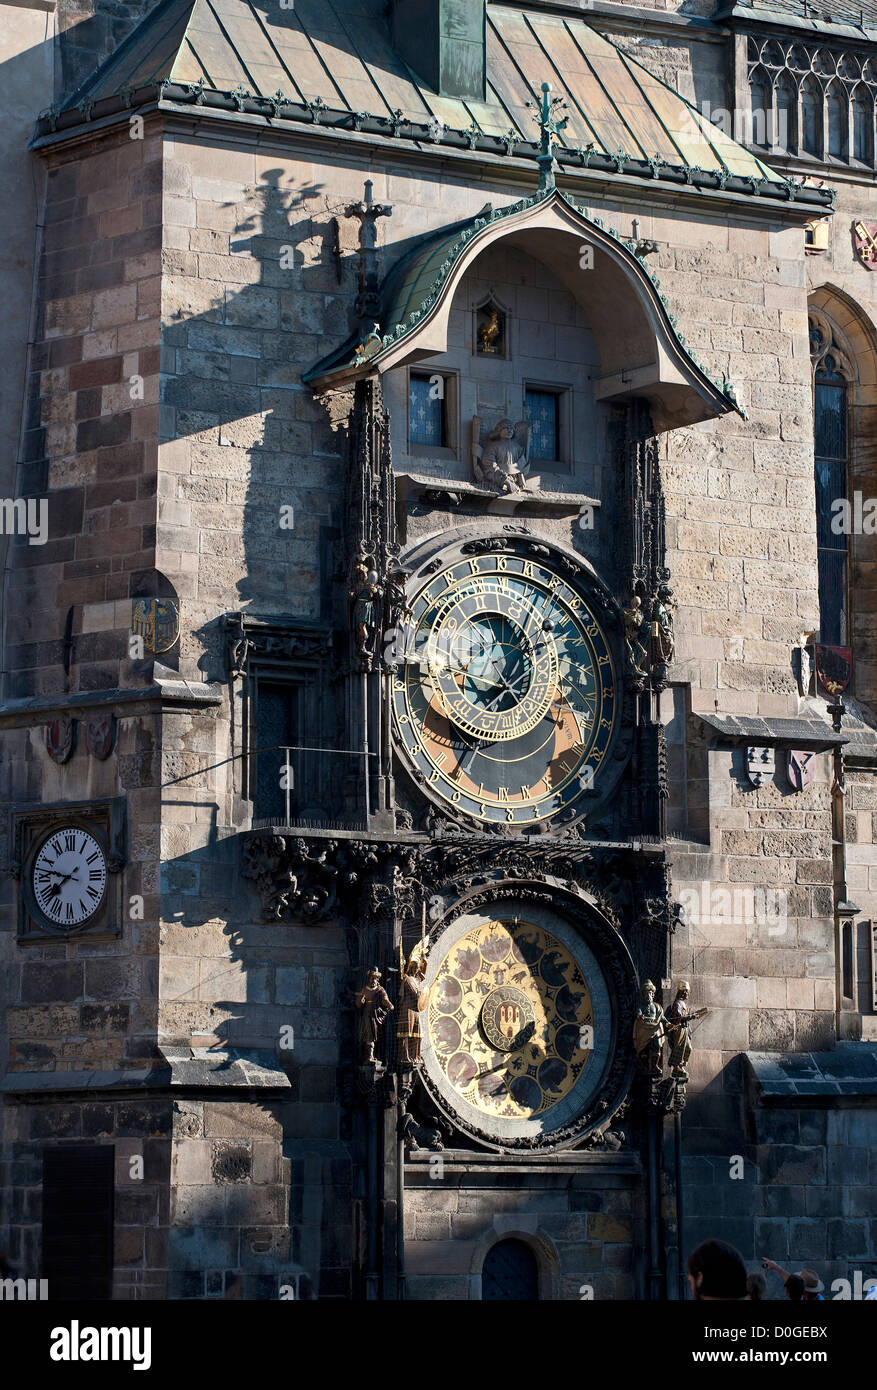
(848, 1239)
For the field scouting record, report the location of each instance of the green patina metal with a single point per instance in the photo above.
(333, 63)
(414, 286)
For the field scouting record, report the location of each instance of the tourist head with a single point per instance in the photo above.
(716, 1271)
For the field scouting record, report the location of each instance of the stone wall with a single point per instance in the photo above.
(582, 1215)
(90, 443)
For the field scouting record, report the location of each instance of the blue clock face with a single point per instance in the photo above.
(505, 703)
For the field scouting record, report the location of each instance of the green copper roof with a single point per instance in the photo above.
(332, 62)
(415, 284)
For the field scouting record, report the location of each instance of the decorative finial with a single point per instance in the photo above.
(367, 211)
(550, 125)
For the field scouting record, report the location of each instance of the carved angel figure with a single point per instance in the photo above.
(505, 457)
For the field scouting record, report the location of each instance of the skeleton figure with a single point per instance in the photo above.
(412, 1001)
(634, 619)
(505, 458)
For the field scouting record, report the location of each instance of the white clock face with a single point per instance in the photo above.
(69, 877)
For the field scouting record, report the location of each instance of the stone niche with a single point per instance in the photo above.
(543, 346)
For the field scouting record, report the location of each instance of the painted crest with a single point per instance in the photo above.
(59, 739)
(834, 667)
(100, 731)
(759, 765)
(157, 621)
(800, 768)
(865, 235)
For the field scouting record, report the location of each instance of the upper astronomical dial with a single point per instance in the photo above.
(492, 665)
(504, 693)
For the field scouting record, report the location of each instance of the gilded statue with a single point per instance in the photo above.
(679, 1021)
(649, 1032)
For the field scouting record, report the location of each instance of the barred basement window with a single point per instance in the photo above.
(510, 1272)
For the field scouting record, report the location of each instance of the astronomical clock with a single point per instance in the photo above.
(506, 696)
(522, 1021)
(507, 713)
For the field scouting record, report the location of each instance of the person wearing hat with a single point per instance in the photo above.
(813, 1285)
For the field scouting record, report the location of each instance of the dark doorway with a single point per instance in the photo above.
(78, 1199)
(510, 1272)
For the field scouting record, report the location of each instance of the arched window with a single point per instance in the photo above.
(786, 134)
(837, 121)
(863, 125)
(761, 108)
(831, 465)
(510, 1272)
(811, 116)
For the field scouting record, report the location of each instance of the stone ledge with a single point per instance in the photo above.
(458, 493)
(794, 731)
(184, 1069)
(848, 1071)
(166, 691)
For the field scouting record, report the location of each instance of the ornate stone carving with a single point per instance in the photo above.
(367, 212)
(312, 880)
(504, 460)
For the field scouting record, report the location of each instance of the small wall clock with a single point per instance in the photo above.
(69, 858)
(68, 877)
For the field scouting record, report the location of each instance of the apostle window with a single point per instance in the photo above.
(432, 411)
(543, 411)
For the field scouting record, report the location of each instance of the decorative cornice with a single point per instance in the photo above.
(280, 111)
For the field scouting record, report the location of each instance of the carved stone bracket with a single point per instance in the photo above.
(266, 642)
(315, 879)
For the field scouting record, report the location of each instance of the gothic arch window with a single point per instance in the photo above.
(837, 108)
(811, 117)
(812, 101)
(761, 104)
(863, 125)
(510, 1272)
(786, 136)
(832, 375)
